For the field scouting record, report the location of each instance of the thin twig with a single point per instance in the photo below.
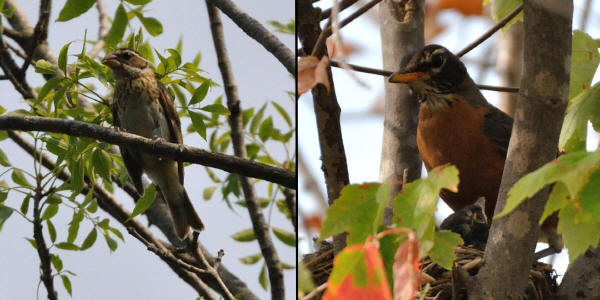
(335, 63)
(102, 29)
(11, 70)
(258, 32)
(492, 30)
(327, 31)
(313, 294)
(261, 230)
(42, 250)
(184, 153)
(40, 33)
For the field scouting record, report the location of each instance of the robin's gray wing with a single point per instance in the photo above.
(498, 127)
(172, 120)
(130, 158)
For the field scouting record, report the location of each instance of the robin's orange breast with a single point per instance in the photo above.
(454, 134)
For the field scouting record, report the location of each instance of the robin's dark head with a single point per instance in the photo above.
(433, 73)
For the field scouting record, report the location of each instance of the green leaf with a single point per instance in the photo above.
(208, 192)
(217, 109)
(4, 159)
(578, 237)
(48, 86)
(584, 62)
(199, 93)
(284, 28)
(585, 106)
(262, 278)
(285, 237)
(246, 235)
(117, 30)
(558, 198)
(144, 202)
(62, 58)
(152, 25)
(251, 259)
(283, 113)
(50, 211)
(175, 57)
(355, 212)
(44, 67)
(572, 169)
(589, 199)
(102, 164)
(305, 282)
(32, 243)
(56, 262)
(112, 244)
(67, 246)
(67, 284)
(90, 239)
(138, 2)
(415, 206)
(256, 120)
(198, 123)
(25, 204)
(51, 231)
(18, 178)
(73, 229)
(266, 129)
(442, 252)
(5, 213)
(502, 8)
(73, 9)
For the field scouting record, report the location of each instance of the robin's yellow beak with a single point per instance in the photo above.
(111, 61)
(400, 77)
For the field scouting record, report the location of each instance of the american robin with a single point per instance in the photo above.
(471, 223)
(458, 126)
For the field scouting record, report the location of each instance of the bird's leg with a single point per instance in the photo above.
(155, 141)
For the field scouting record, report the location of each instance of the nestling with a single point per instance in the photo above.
(143, 106)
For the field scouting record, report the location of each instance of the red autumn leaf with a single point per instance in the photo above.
(311, 72)
(465, 7)
(314, 222)
(358, 274)
(406, 269)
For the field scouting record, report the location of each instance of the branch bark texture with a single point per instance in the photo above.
(259, 225)
(327, 113)
(402, 33)
(257, 31)
(542, 100)
(184, 153)
(582, 280)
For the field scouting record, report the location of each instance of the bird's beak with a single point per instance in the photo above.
(401, 77)
(111, 61)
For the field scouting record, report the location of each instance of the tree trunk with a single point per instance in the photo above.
(401, 28)
(542, 100)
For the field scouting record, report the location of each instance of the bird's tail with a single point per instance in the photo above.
(185, 216)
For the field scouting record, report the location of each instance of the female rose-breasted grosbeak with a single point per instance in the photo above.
(142, 105)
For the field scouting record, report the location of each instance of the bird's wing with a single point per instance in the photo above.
(130, 158)
(172, 120)
(497, 127)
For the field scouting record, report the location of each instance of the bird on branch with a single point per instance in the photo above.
(143, 106)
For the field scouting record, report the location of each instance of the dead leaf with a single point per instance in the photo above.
(311, 72)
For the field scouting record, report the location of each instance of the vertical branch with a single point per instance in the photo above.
(327, 113)
(542, 100)
(40, 34)
(41, 247)
(402, 33)
(104, 25)
(261, 229)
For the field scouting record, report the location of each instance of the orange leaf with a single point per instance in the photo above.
(314, 222)
(465, 7)
(406, 269)
(311, 72)
(358, 274)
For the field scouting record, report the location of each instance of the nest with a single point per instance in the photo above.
(442, 284)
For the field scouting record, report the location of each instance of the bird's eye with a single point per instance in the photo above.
(437, 60)
(126, 55)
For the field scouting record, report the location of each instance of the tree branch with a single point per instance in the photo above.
(261, 229)
(257, 31)
(181, 152)
(290, 201)
(102, 29)
(492, 30)
(327, 113)
(40, 34)
(42, 249)
(108, 203)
